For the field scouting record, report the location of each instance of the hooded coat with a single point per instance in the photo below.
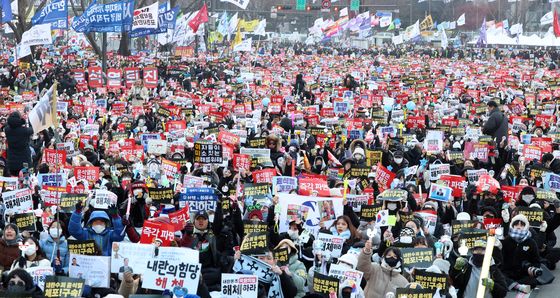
(49, 247)
(18, 138)
(380, 280)
(496, 126)
(105, 239)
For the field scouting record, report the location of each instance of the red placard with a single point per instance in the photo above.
(544, 143)
(241, 161)
(264, 176)
(456, 182)
(80, 76)
(51, 195)
(511, 193)
(175, 125)
(384, 177)
(226, 137)
(531, 152)
(416, 122)
(95, 77)
(131, 75)
(179, 218)
(90, 174)
(157, 230)
(54, 158)
(114, 77)
(309, 185)
(150, 77)
(169, 168)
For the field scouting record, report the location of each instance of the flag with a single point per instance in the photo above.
(385, 21)
(239, 3)
(547, 19)
(444, 41)
(6, 11)
(333, 159)
(37, 35)
(223, 24)
(391, 26)
(146, 17)
(427, 23)
(237, 39)
(412, 31)
(261, 28)
(113, 17)
(461, 20)
(232, 24)
(355, 5)
(244, 46)
(56, 13)
(248, 26)
(556, 25)
(344, 12)
(43, 114)
(516, 29)
(482, 37)
(200, 18)
(166, 20)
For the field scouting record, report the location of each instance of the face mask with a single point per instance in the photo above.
(392, 262)
(477, 260)
(398, 160)
(392, 206)
(55, 233)
(98, 228)
(30, 250)
(344, 265)
(16, 289)
(293, 234)
(527, 199)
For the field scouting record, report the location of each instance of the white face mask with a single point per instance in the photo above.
(527, 198)
(54, 232)
(293, 234)
(344, 265)
(30, 250)
(398, 160)
(391, 206)
(98, 228)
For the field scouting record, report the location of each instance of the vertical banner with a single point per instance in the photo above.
(131, 75)
(95, 77)
(150, 77)
(114, 77)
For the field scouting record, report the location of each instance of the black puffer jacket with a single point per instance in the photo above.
(18, 137)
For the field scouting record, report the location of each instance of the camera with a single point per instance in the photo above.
(535, 271)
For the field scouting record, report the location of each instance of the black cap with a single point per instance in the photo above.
(492, 104)
(201, 213)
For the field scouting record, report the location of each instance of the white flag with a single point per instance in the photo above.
(22, 51)
(397, 40)
(42, 116)
(547, 19)
(385, 21)
(239, 3)
(232, 27)
(244, 46)
(461, 20)
(516, 29)
(261, 28)
(37, 35)
(412, 31)
(146, 17)
(444, 41)
(344, 12)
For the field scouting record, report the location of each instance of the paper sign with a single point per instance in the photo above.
(94, 269)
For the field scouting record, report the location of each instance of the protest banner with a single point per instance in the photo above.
(308, 186)
(103, 199)
(158, 147)
(384, 177)
(255, 191)
(331, 244)
(551, 182)
(94, 269)
(40, 274)
(51, 194)
(172, 267)
(54, 158)
(325, 284)
(284, 184)
(281, 256)
(250, 226)
(357, 201)
(90, 174)
(440, 192)
(198, 199)
(208, 153)
(82, 247)
(459, 225)
(456, 182)
(319, 207)
(436, 170)
(414, 293)
(432, 281)
(369, 212)
(135, 256)
(68, 201)
(534, 215)
(161, 195)
(343, 273)
(471, 235)
(239, 285)
(18, 201)
(153, 231)
(241, 161)
(25, 221)
(417, 257)
(255, 243)
(262, 270)
(9, 183)
(179, 218)
(52, 179)
(63, 287)
(264, 175)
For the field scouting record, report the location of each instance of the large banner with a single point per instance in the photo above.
(318, 209)
(55, 13)
(113, 17)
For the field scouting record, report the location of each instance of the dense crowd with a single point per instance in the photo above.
(322, 171)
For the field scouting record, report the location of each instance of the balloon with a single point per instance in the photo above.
(411, 106)
(265, 102)
(388, 107)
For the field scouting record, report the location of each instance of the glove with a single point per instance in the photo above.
(505, 215)
(125, 221)
(488, 282)
(460, 263)
(79, 207)
(543, 226)
(113, 211)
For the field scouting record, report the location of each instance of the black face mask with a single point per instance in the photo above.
(392, 262)
(477, 260)
(17, 288)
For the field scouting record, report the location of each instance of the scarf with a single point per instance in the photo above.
(346, 234)
(263, 271)
(519, 235)
(386, 266)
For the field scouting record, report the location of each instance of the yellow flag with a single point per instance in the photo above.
(237, 40)
(427, 23)
(248, 26)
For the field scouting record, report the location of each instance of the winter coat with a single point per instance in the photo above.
(105, 239)
(299, 274)
(525, 253)
(49, 247)
(8, 253)
(31, 264)
(380, 280)
(496, 126)
(461, 279)
(18, 138)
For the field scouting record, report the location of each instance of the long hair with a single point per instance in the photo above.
(353, 232)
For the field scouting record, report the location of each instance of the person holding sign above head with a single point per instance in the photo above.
(9, 250)
(18, 138)
(466, 274)
(97, 228)
(381, 279)
(295, 267)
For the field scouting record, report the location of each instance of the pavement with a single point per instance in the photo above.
(546, 291)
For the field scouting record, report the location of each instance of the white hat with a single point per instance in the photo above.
(463, 216)
(359, 150)
(349, 259)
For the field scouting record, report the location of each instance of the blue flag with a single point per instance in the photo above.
(56, 13)
(482, 37)
(112, 17)
(166, 21)
(6, 11)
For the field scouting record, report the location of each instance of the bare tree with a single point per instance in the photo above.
(20, 24)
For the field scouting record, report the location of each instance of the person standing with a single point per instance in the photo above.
(497, 123)
(18, 138)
